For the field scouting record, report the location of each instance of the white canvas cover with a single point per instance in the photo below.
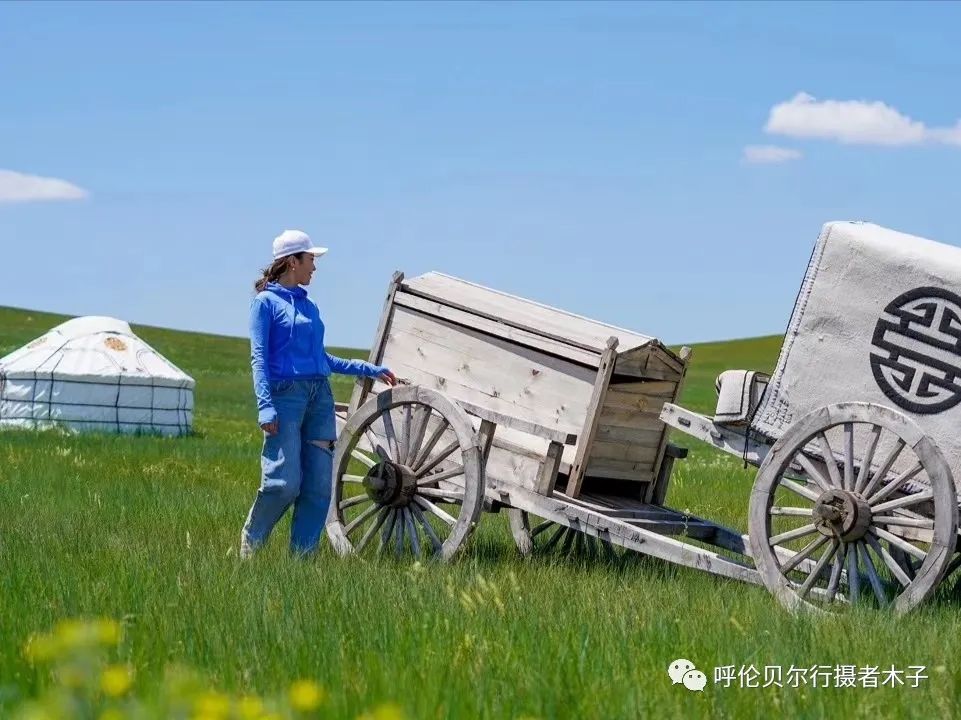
(94, 373)
(878, 319)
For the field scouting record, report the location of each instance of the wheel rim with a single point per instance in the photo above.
(876, 526)
(421, 490)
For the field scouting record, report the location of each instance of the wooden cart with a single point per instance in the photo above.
(510, 404)
(856, 432)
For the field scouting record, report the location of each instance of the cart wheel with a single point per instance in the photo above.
(830, 535)
(424, 485)
(544, 537)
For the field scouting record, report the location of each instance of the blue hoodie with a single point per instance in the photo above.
(287, 343)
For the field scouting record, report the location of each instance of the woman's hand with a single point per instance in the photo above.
(270, 428)
(388, 378)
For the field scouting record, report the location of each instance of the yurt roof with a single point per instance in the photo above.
(94, 347)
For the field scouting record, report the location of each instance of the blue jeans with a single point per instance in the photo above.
(296, 466)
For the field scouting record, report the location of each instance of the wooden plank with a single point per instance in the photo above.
(488, 372)
(613, 434)
(649, 388)
(363, 385)
(643, 419)
(585, 446)
(620, 470)
(499, 329)
(659, 488)
(619, 532)
(548, 470)
(522, 313)
(624, 451)
(515, 423)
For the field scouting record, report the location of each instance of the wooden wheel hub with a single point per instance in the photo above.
(842, 514)
(390, 483)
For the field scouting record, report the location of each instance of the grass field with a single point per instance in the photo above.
(145, 530)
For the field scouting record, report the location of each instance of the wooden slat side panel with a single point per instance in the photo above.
(579, 330)
(630, 432)
(488, 326)
(649, 362)
(488, 371)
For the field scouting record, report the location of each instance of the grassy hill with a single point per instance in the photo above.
(146, 531)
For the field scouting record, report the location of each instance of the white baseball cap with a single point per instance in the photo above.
(291, 242)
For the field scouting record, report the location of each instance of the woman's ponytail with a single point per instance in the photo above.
(273, 273)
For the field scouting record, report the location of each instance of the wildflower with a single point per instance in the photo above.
(387, 711)
(250, 707)
(41, 648)
(107, 631)
(306, 695)
(111, 714)
(212, 705)
(116, 680)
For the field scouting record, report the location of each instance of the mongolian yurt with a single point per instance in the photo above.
(93, 373)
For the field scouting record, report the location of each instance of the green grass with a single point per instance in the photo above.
(146, 530)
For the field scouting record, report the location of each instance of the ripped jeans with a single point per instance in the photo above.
(296, 466)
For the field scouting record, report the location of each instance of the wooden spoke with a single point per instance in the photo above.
(351, 479)
(792, 534)
(441, 494)
(873, 578)
(830, 461)
(362, 458)
(897, 542)
(568, 541)
(803, 554)
(883, 470)
(816, 572)
(429, 445)
(412, 532)
(854, 575)
(799, 489)
(553, 539)
(864, 472)
(388, 422)
(835, 580)
(895, 484)
(404, 439)
(428, 530)
(374, 441)
(812, 471)
(372, 530)
(848, 481)
(361, 519)
(923, 523)
(356, 500)
(438, 459)
(888, 560)
(433, 509)
(446, 476)
(540, 527)
(419, 421)
(388, 532)
(800, 512)
(399, 529)
(903, 502)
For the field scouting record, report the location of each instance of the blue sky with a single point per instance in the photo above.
(594, 156)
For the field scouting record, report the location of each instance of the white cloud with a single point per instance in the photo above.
(18, 187)
(855, 122)
(769, 154)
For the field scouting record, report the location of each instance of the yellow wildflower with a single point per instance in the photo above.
(111, 714)
(250, 708)
(107, 631)
(116, 680)
(306, 695)
(212, 704)
(41, 648)
(387, 711)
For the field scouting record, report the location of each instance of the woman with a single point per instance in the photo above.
(291, 370)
